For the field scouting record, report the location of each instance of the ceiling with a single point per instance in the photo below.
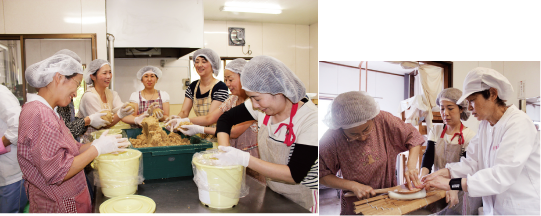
(378, 65)
(301, 12)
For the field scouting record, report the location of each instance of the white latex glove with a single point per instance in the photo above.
(172, 117)
(125, 110)
(110, 144)
(96, 121)
(159, 115)
(232, 156)
(139, 119)
(173, 123)
(153, 106)
(190, 130)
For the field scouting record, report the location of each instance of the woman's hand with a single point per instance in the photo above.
(412, 176)
(190, 130)
(437, 181)
(451, 197)
(362, 191)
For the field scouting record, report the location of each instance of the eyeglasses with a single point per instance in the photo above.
(364, 133)
(77, 83)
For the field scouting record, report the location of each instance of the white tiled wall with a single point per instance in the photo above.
(294, 45)
(55, 17)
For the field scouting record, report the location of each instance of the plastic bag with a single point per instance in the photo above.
(228, 181)
(118, 170)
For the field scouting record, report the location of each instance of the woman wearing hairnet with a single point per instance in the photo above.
(206, 94)
(502, 160)
(287, 136)
(51, 160)
(244, 135)
(12, 193)
(447, 144)
(99, 98)
(363, 142)
(78, 126)
(149, 98)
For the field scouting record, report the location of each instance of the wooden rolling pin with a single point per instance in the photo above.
(401, 189)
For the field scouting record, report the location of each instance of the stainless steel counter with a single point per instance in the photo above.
(180, 195)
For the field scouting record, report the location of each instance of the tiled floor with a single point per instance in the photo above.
(329, 203)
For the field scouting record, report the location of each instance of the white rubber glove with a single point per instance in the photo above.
(96, 121)
(172, 117)
(139, 119)
(159, 115)
(173, 123)
(232, 156)
(110, 144)
(190, 130)
(124, 111)
(153, 106)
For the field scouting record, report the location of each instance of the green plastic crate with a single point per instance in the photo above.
(168, 161)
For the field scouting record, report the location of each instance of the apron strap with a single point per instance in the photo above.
(460, 134)
(290, 135)
(266, 120)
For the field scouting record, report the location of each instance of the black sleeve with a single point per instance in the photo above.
(232, 117)
(220, 92)
(428, 156)
(301, 161)
(190, 90)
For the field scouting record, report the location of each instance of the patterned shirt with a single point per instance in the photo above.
(46, 152)
(219, 91)
(75, 124)
(389, 137)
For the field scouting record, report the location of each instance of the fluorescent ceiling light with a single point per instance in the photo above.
(251, 10)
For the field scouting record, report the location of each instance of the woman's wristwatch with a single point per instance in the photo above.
(455, 184)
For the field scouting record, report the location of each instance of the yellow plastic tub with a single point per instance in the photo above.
(118, 173)
(226, 179)
(128, 204)
(97, 134)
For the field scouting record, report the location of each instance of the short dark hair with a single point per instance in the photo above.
(486, 95)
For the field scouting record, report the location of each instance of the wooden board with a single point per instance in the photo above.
(383, 205)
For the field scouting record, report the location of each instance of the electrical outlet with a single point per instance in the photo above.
(186, 83)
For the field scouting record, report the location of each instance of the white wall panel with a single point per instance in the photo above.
(348, 79)
(389, 92)
(42, 17)
(125, 77)
(2, 25)
(279, 42)
(216, 36)
(93, 21)
(302, 54)
(329, 79)
(254, 38)
(314, 72)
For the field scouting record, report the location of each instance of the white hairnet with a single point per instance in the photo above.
(351, 109)
(480, 79)
(265, 74)
(41, 74)
(236, 66)
(149, 69)
(452, 95)
(70, 53)
(92, 68)
(211, 56)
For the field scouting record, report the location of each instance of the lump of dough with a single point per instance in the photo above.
(397, 196)
(107, 117)
(133, 106)
(156, 111)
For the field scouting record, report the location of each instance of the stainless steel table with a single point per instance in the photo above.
(180, 195)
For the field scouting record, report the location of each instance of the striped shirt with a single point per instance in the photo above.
(219, 91)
